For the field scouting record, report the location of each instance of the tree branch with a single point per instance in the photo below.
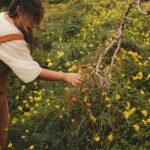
(140, 9)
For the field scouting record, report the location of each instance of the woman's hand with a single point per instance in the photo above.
(74, 78)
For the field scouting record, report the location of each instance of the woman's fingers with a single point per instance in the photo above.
(82, 78)
(78, 82)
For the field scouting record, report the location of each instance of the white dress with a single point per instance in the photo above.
(16, 54)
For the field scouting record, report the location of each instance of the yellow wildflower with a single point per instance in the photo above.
(10, 145)
(128, 87)
(123, 75)
(72, 120)
(118, 97)
(73, 68)
(49, 64)
(23, 136)
(30, 97)
(148, 120)
(144, 122)
(27, 105)
(148, 77)
(48, 60)
(67, 64)
(17, 97)
(91, 45)
(31, 147)
(145, 63)
(93, 118)
(57, 106)
(110, 137)
(126, 114)
(136, 127)
(142, 92)
(139, 76)
(104, 93)
(127, 107)
(60, 54)
(108, 105)
(35, 111)
(79, 71)
(27, 131)
(131, 111)
(25, 101)
(20, 108)
(27, 114)
(14, 120)
(22, 120)
(96, 137)
(107, 99)
(35, 83)
(61, 116)
(85, 99)
(23, 87)
(109, 75)
(144, 113)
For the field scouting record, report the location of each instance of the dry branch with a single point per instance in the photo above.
(140, 9)
(105, 80)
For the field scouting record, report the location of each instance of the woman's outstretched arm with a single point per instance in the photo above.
(73, 78)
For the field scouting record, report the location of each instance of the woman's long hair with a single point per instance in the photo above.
(27, 14)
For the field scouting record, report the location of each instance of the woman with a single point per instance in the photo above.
(20, 19)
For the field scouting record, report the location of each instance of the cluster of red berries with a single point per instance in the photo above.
(87, 90)
(74, 100)
(84, 66)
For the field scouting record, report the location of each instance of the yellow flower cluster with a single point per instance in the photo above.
(127, 107)
(72, 68)
(107, 99)
(60, 54)
(139, 76)
(96, 137)
(49, 62)
(110, 137)
(134, 55)
(31, 147)
(118, 97)
(10, 145)
(136, 127)
(128, 113)
(144, 113)
(93, 119)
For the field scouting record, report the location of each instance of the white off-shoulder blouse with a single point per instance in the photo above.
(16, 54)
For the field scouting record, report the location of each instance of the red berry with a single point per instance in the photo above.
(74, 100)
(84, 66)
(87, 90)
(88, 105)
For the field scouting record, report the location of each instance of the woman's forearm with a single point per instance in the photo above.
(52, 75)
(73, 78)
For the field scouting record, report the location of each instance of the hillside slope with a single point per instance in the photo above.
(55, 115)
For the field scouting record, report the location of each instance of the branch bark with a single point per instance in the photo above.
(140, 9)
(105, 80)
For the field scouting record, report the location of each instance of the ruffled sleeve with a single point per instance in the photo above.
(17, 56)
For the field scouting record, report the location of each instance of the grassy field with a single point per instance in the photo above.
(57, 116)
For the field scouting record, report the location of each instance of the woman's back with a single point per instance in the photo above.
(6, 27)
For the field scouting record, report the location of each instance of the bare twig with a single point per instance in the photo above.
(105, 81)
(140, 9)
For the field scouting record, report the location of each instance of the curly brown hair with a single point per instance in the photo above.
(27, 14)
